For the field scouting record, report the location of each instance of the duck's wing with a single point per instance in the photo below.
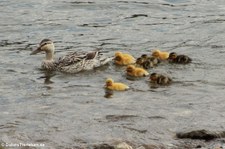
(78, 61)
(76, 57)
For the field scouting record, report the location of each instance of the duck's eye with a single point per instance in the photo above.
(44, 44)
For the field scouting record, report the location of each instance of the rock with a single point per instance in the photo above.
(151, 146)
(103, 146)
(123, 145)
(201, 134)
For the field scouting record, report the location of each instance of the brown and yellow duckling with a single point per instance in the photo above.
(160, 54)
(141, 60)
(160, 79)
(179, 59)
(136, 71)
(147, 62)
(111, 85)
(123, 58)
(151, 62)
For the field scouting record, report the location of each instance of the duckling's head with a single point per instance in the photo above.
(139, 61)
(118, 56)
(109, 82)
(144, 56)
(154, 76)
(45, 45)
(118, 53)
(130, 68)
(172, 55)
(156, 53)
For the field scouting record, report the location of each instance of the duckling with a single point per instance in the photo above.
(111, 85)
(124, 54)
(154, 60)
(124, 58)
(179, 59)
(147, 62)
(72, 62)
(136, 71)
(144, 56)
(139, 61)
(160, 79)
(160, 55)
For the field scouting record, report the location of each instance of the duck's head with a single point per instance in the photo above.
(156, 53)
(130, 68)
(46, 45)
(172, 55)
(154, 76)
(109, 82)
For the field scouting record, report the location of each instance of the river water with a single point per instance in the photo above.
(62, 110)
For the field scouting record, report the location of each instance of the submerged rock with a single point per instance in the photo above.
(201, 134)
(104, 146)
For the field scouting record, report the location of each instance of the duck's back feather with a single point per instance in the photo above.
(78, 61)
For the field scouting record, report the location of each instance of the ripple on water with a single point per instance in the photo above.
(70, 110)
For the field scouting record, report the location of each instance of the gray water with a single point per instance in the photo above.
(61, 110)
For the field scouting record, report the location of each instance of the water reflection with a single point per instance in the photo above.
(47, 76)
(108, 93)
(153, 85)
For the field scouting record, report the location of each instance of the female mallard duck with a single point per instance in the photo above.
(72, 62)
(160, 79)
(160, 55)
(111, 85)
(136, 71)
(179, 59)
(124, 58)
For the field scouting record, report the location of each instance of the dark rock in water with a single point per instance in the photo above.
(201, 134)
(104, 146)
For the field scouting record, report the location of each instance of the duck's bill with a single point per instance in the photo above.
(36, 51)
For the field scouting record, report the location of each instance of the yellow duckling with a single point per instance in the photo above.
(160, 55)
(124, 58)
(136, 71)
(111, 85)
(160, 79)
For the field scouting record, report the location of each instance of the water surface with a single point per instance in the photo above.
(62, 110)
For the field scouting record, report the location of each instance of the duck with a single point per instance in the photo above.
(179, 59)
(73, 62)
(111, 85)
(123, 58)
(160, 79)
(136, 71)
(161, 55)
